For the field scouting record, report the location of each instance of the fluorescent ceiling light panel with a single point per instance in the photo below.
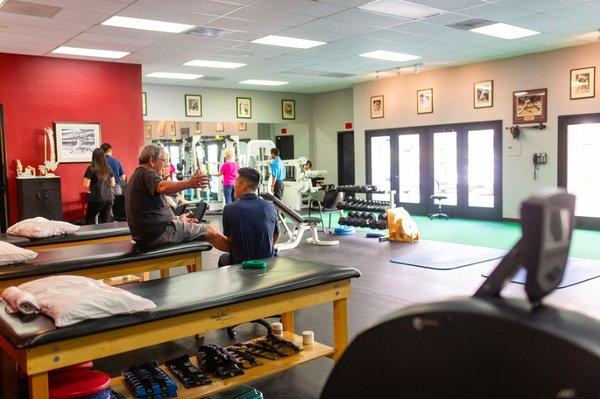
(400, 8)
(171, 75)
(90, 52)
(263, 82)
(505, 31)
(146, 24)
(390, 56)
(285, 41)
(214, 64)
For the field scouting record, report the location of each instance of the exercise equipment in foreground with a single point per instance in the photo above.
(486, 346)
(301, 225)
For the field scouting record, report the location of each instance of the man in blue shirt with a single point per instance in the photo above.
(277, 173)
(250, 223)
(116, 167)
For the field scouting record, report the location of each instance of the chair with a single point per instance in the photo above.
(329, 205)
(438, 212)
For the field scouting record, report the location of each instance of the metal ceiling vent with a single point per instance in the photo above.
(212, 33)
(470, 24)
(31, 9)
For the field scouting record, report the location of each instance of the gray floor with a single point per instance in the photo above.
(383, 287)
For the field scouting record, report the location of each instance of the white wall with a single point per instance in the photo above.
(453, 103)
(219, 105)
(330, 111)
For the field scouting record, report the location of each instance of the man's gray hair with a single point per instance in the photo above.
(149, 151)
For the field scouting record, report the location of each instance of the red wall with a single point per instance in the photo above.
(35, 91)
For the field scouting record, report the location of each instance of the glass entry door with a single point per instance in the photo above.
(579, 165)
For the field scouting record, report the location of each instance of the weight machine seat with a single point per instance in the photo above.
(280, 205)
(89, 232)
(472, 348)
(68, 259)
(311, 220)
(206, 290)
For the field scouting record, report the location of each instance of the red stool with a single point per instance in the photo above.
(78, 383)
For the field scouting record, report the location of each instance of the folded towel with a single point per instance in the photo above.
(18, 300)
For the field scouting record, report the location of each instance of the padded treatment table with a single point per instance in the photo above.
(214, 299)
(90, 234)
(104, 260)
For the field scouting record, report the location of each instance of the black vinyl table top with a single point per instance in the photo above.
(180, 295)
(89, 232)
(69, 259)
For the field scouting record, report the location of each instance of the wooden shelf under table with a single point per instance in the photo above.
(267, 368)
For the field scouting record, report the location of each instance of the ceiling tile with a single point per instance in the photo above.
(496, 13)
(25, 48)
(112, 39)
(101, 6)
(322, 36)
(246, 26)
(539, 5)
(67, 14)
(209, 7)
(542, 22)
(269, 15)
(329, 25)
(31, 39)
(446, 5)
(368, 18)
(124, 32)
(579, 13)
(36, 31)
(44, 22)
(304, 7)
(166, 13)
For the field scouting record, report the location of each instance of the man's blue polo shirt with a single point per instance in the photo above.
(278, 169)
(116, 167)
(250, 223)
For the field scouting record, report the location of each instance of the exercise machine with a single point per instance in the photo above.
(298, 182)
(486, 346)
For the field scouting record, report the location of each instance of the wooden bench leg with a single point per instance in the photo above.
(8, 383)
(287, 319)
(340, 327)
(164, 273)
(145, 276)
(38, 386)
(197, 266)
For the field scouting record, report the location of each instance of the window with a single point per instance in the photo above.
(444, 167)
(481, 168)
(408, 166)
(380, 165)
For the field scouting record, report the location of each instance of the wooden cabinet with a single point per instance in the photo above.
(39, 196)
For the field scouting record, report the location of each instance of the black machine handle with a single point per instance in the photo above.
(38, 195)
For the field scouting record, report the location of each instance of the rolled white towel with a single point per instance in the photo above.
(18, 300)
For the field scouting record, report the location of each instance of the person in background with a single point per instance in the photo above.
(277, 173)
(229, 171)
(173, 200)
(116, 167)
(98, 182)
(250, 223)
(308, 165)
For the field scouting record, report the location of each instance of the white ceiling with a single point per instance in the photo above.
(348, 31)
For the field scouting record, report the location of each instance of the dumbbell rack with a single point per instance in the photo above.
(367, 207)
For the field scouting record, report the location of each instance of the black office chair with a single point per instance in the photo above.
(329, 205)
(437, 212)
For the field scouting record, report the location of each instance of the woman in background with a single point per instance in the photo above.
(229, 171)
(97, 182)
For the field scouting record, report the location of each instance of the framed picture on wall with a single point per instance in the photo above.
(483, 94)
(583, 83)
(376, 107)
(425, 101)
(219, 127)
(193, 105)
(184, 132)
(243, 107)
(75, 141)
(242, 126)
(172, 128)
(288, 109)
(149, 130)
(162, 126)
(144, 104)
(197, 127)
(530, 106)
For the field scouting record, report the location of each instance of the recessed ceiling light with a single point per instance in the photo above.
(215, 64)
(401, 8)
(171, 75)
(90, 52)
(284, 41)
(505, 31)
(146, 24)
(390, 56)
(263, 82)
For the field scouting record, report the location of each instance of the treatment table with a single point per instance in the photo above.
(105, 260)
(186, 305)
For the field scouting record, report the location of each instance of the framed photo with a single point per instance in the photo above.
(193, 105)
(483, 94)
(376, 107)
(242, 126)
(220, 127)
(144, 104)
(530, 106)
(243, 107)
(197, 127)
(149, 131)
(425, 101)
(172, 128)
(185, 132)
(75, 141)
(583, 83)
(288, 109)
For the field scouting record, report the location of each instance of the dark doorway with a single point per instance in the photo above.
(286, 146)
(345, 150)
(3, 177)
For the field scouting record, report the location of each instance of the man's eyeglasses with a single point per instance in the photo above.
(165, 160)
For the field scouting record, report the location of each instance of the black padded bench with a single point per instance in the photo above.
(213, 299)
(104, 260)
(90, 234)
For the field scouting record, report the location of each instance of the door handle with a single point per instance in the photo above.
(45, 195)
(38, 195)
